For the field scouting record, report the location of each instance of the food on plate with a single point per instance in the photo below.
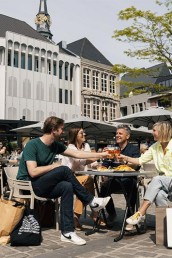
(123, 168)
(102, 168)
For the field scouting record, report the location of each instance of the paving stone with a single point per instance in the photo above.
(101, 244)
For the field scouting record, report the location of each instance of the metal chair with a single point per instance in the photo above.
(17, 188)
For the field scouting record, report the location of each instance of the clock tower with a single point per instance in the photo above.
(43, 20)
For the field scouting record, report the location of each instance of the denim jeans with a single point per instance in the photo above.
(157, 190)
(114, 187)
(61, 182)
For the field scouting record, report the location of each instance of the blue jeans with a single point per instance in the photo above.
(158, 190)
(61, 182)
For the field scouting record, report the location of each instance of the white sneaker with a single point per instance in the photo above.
(72, 237)
(129, 227)
(99, 203)
(135, 218)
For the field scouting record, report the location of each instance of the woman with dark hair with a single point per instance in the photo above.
(76, 141)
(159, 189)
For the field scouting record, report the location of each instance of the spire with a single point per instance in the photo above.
(43, 21)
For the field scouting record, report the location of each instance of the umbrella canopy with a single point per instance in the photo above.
(34, 129)
(92, 127)
(146, 118)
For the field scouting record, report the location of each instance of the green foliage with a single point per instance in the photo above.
(150, 35)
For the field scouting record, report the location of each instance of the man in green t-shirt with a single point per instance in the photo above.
(52, 180)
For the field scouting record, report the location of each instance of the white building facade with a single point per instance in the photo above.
(37, 80)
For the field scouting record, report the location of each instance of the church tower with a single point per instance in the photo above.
(43, 20)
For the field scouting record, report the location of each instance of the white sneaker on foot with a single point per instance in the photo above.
(99, 203)
(72, 237)
(135, 218)
(129, 227)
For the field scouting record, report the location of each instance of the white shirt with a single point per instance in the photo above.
(76, 164)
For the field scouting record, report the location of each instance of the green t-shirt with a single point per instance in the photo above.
(36, 150)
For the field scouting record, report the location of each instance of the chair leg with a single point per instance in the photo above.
(32, 199)
(57, 214)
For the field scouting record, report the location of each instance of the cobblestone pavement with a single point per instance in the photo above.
(99, 245)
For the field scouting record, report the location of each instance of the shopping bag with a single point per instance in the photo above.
(46, 212)
(11, 213)
(161, 226)
(28, 230)
(169, 227)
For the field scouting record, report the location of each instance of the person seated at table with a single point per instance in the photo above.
(76, 141)
(160, 188)
(123, 133)
(51, 180)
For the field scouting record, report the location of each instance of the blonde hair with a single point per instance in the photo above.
(164, 131)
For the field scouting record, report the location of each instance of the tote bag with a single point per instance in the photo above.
(11, 213)
(28, 230)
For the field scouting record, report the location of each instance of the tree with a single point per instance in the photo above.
(150, 34)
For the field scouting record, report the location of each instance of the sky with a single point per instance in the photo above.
(75, 19)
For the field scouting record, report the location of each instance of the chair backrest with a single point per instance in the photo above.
(11, 172)
(151, 169)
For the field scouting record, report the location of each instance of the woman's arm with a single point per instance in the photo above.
(128, 159)
(85, 154)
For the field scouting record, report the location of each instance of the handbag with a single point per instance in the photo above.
(11, 213)
(28, 230)
(161, 226)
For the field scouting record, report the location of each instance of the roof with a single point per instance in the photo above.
(85, 49)
(19, 27)
(64, 50)
(156, 74)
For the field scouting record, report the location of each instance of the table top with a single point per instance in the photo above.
(112, 174)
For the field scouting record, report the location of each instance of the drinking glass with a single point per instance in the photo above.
(110, 150)
(117, 150)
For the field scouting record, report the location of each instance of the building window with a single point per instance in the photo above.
(71, 72)
(49, 66)
(16, 59)
(54, 68)
(112, 111)
(27, 89)
(9, 57)
(42, 65)
(60, 70)
(112, 84)
(36, 64)
(96, 109)
(86, 78)
(104, 82)
(70, 97)
(60, 96)
(87, 105)
(141, 106)
(95, 80)
(23, 60)
(66, 71)
(105, 111)
(29, 65)
(66, 96)
(40, 91)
